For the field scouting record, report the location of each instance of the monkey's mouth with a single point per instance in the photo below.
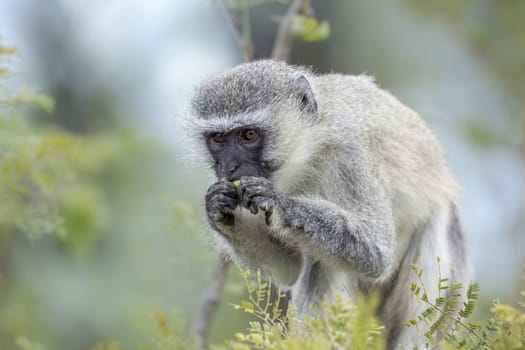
(251, 170)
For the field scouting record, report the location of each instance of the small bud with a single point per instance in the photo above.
(236, 183)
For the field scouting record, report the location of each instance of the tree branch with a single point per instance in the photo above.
(244, 35)
(229, 21)
(246, 30)
(283, 41)
(202, 320)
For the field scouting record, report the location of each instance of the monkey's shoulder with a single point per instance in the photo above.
(360, 82)
(357, 100)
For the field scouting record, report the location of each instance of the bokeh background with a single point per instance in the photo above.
(116, 236)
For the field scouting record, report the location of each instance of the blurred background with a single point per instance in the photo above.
(101, 226)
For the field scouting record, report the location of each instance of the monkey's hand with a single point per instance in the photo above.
(221, 200)
(258, 193)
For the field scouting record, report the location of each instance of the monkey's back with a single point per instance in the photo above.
(397, 139)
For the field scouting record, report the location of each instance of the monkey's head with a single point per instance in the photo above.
(251, 118)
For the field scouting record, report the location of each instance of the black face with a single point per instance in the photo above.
(238, 153)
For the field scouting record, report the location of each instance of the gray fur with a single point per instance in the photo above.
(361, 188)
(260, 86)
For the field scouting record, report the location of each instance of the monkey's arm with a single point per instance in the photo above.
(246, 236)
(361, 238)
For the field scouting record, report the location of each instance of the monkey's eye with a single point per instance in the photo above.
(249, 134)
(219, 138)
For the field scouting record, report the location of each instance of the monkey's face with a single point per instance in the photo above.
(238, 152)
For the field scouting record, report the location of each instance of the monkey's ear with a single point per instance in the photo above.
(304, 93)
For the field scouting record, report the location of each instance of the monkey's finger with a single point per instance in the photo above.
(230, 192)
(222, 186)
(251, 197)
(255, 193)
(268, 217)
(244, 192)
(223, 200)
(262, 203)
(223, 190)
(244, 197)
(221, 205)
(251, 206)
(266, 204)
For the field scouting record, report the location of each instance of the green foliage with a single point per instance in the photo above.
(447, 322)
(443, 318)
(33, 165)
(342, 324)
(28, 97)
(172, 334)
(49, 181)
(25, 344)
(25, 96)
(509, 325)
(62, 193)
(242, 4)
(304, 27)
(6, 55)
(110, 346)
(85, 215)
(49, 178)
(309, 29)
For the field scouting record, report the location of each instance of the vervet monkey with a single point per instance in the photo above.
(342, 187)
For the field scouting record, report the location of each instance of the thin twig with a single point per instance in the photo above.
(242, 36)
(202, 320)
(456, 319)
(283, 41)
(246, 30)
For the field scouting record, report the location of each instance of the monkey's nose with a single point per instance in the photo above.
(229, 171)
(232, 174)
